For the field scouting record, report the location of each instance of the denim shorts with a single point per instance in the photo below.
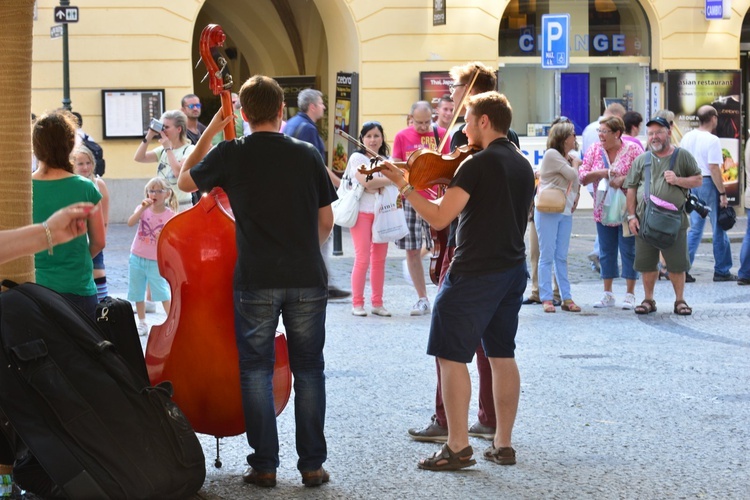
(98, 260)
(473, 309)
(142, 272)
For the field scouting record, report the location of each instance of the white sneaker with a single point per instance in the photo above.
(628, 302)
(421, 308)
(359, 311)
(381, 311)
(142, 328)
(608, 300)
(405, 272)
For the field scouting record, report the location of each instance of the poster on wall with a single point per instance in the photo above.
(126, 113)
(345, 118)
(689, 90)
(433, 85)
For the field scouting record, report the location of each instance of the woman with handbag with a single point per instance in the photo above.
(366, 252)
(557, 197)
(607, 163)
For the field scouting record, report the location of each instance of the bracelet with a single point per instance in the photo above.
(49, 238)
(168, 149)
(722, 194)
(144, 139)
(406, 190)
(631, 217)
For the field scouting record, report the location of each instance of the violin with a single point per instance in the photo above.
(423, 169)
(195, 348)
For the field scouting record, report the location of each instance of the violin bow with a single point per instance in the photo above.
(458, 110)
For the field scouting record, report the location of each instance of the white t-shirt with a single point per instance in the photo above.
(705, 147)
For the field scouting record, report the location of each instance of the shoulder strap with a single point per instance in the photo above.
(437, 136)
(647, 181)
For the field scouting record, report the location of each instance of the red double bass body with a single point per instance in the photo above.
(195, 349)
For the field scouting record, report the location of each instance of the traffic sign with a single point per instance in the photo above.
(66, 14)
(555, 41)
(56, 31)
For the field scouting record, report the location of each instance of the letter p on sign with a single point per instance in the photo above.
(555, 41)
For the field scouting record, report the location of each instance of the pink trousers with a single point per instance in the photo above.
(367, 254)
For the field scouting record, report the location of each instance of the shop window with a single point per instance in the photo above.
(599, 28)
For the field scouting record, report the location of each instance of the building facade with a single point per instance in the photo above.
(618, 49)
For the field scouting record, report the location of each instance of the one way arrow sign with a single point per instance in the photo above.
(66, 14)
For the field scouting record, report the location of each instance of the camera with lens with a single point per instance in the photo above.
(156, 125)
(694, 203)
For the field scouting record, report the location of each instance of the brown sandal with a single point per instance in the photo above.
(501, 456)
(549, 306)
(446, 459)
(682, 309)
(646, 307)
(570, 306)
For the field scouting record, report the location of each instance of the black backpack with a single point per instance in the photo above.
(98, 152)
(95, 428)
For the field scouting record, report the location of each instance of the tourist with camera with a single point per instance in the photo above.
(174, 146)
(711, 195)
(669, 180)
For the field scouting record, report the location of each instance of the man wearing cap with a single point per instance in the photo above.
(706, 148)
(670, 186)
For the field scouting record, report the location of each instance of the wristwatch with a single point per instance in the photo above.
(631, 217)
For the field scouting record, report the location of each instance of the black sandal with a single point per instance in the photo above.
(646, 307)
(682, 309)
(446, 459)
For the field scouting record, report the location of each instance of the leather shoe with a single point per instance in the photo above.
(316, 477)
(531, 300)
(688, 278)
(743, 281)
(337, 293)
(725, 277)
(264, 479)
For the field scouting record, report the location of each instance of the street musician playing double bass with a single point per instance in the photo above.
(280, 227)
(484, 427)
(481, 294)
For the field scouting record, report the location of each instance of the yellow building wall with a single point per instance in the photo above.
(147, 44)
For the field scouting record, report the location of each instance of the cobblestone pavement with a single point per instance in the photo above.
(613, 405)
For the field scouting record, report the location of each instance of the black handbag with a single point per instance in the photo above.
(660, 226)
(727, 218)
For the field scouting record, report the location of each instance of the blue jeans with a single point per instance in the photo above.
(722, 252)
(610, 240)
(744, 271)
(553, 232)
(256, 316)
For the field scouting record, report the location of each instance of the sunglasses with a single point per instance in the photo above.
(194, 106)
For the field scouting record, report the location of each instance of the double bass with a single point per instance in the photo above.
(195, 348)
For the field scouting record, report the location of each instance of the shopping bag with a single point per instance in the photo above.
(390, 221)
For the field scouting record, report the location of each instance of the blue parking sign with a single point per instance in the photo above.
(555, 41)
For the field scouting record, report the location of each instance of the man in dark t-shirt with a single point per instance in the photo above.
(481, 295)
(280, 226)
(484, 427)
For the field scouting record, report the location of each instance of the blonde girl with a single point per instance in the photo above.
(83, 165)
(158, 206)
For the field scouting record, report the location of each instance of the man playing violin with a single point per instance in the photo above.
(484, 427)
(481, 295)
(280, 227)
